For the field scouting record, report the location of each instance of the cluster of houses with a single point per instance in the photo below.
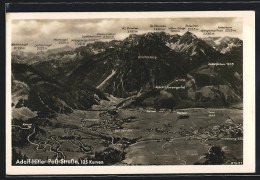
(212, 132)
(215, 132)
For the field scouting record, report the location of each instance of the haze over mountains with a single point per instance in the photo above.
(156, 70)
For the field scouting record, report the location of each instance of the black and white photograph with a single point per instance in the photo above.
(130, 91)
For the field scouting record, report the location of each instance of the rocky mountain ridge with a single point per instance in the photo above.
(159, 69)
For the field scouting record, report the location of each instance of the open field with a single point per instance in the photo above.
(147, 137)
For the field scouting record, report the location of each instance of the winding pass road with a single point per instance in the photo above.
(45, 143)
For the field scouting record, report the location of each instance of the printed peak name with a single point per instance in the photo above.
(91, 36)
(42, 46)
(167, 87)
(57, 39)
(180, 80)
(181, 28)
(79, 42)
(192, 25)
(61, 41)
(182, 113)
(220, 64)
(232, 139)
(211, 30)
(176, 29)
(130, 28)
(25, 124)
(90, 120)
(105, 34)
(123, 130)
(147, 57)
(157, 26)
(224, 27)
(37, 45)
(193, 29)
(19, 44)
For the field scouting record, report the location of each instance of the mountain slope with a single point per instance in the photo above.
(47, 96)
(158, 69)
(138, 65)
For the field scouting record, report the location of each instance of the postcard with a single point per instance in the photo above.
(130, 92)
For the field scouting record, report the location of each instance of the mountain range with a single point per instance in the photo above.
(223, 44)
(149, 70)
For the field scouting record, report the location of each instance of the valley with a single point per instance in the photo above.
(169, 138)
(149, 99)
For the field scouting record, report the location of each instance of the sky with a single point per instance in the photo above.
(45, 31)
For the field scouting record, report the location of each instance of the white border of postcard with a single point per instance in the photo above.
(248, 100)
